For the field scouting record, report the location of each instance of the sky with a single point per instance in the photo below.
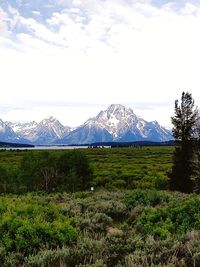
(72, 58)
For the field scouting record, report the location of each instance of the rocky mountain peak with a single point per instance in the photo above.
(7, 134)
(155, 122)
(44, 132)
(49, 120)
(115, 119)
(116, 111)
(2, 126)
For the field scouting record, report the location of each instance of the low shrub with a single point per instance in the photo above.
(146, 197)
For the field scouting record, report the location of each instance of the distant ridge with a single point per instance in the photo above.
(6, 144)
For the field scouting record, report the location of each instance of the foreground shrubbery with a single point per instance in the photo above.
(131, 228)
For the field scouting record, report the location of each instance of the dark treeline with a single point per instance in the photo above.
(7, 144)
(46, 171)
(130, 144)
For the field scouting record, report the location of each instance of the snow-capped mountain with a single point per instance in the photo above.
(49, 130)
(117, 123)
(22, 129)
(45, 132)
(8, 135)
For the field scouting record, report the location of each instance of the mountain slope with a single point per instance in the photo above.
(8, 135)
(117, 123)
(86, 134)
(45, 132)
(23, 129)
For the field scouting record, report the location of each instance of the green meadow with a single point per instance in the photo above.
(130, 220)
(129, 168)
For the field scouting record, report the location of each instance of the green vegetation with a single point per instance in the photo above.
(129, 228)
(137, 226)
(131, 168)
(46, 171)
(185, 170)
(109, 168)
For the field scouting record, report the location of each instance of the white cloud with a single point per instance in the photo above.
(41, 31)
(4, 31)
(35, 12)
(190, 9)
(101, 52)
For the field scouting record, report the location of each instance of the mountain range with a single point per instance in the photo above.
(116, 123)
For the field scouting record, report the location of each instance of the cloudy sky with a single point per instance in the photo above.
(72, 58)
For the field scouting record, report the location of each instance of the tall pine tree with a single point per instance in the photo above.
(184, 123)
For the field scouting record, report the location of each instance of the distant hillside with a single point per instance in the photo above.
(6, 144)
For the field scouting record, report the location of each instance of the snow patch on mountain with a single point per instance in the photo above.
(22, 128)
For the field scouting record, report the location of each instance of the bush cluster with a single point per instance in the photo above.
(46, 171)
(100, 229)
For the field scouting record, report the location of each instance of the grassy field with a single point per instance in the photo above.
(125, 222)
(130, 168)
